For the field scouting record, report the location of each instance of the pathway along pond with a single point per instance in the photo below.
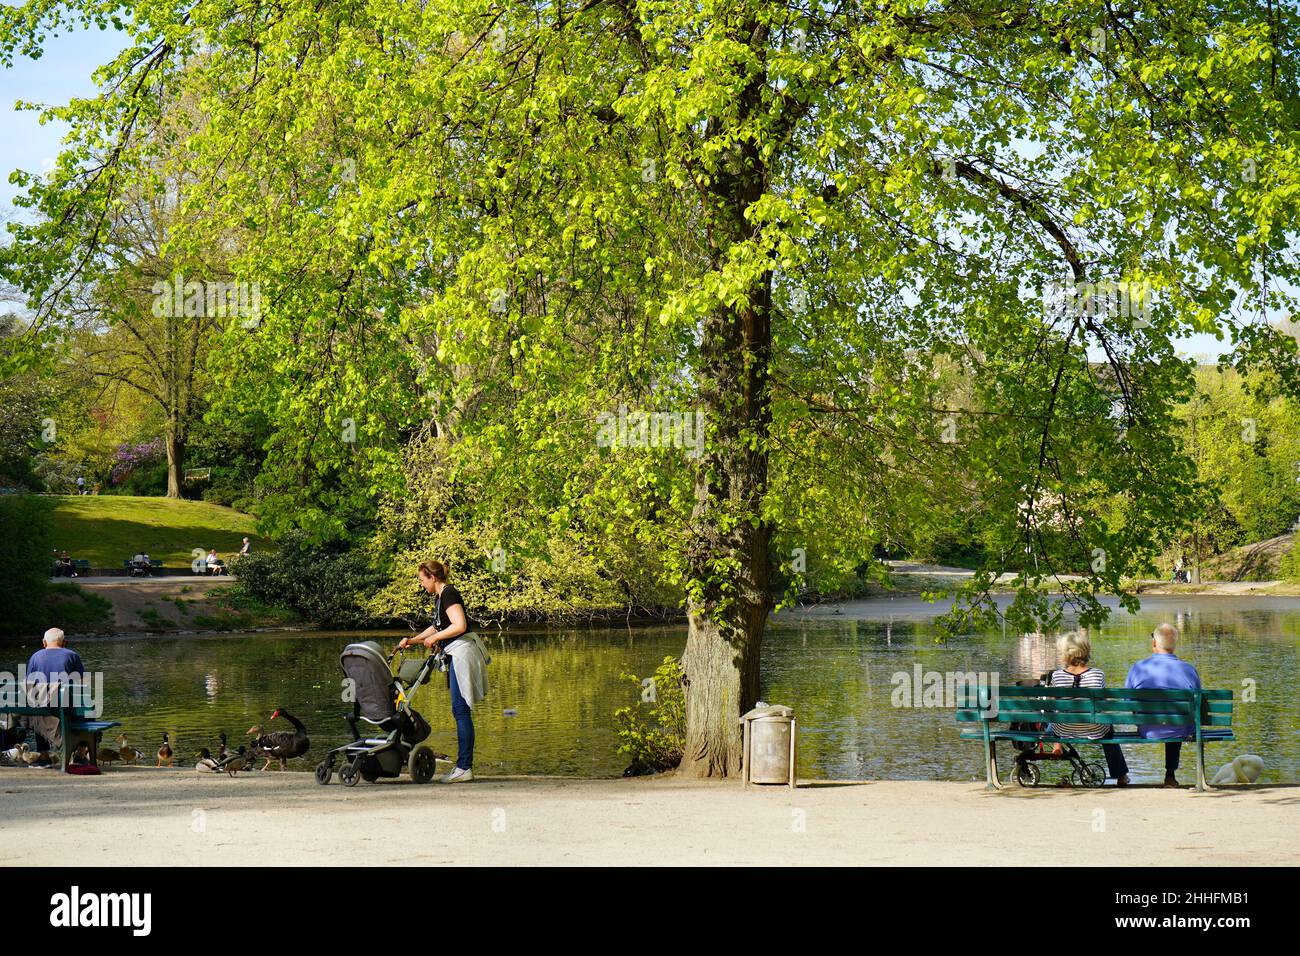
(553, 692)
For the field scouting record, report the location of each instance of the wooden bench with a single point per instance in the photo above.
(1206, 713)
(74, 722)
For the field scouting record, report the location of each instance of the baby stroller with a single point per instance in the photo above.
(383, 699)
(1025, 770)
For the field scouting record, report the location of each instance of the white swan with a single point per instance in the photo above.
(1243, 769)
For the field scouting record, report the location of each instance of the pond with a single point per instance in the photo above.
(554, 691)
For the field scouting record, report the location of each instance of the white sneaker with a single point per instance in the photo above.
(457, 776)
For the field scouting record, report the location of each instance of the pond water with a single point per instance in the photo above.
(553, 692)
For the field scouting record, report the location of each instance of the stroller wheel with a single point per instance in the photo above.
(422, 764)
(323, 772)
(350, 773)
(1088, 775)
(1027, 773)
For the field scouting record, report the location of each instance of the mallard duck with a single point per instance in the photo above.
(129, 754)
(223, 751)
(106, 755)
(280, 745)
(165, 752)
(206, 764)
(235, 762)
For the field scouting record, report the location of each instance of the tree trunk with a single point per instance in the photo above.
(728, 558)
(175, 462)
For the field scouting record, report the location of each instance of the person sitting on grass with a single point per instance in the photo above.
(1076, 650)
(1164, 671)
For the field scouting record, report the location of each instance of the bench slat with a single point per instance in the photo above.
(1121, 693)
(1030, 737)
(1005, 715)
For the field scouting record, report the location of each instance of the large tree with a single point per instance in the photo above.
(512, 217)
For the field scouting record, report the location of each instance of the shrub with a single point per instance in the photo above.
(1289, 567)
(653, 730)
(26, 549)
(325, 583)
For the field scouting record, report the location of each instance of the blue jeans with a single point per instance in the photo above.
(464, 721)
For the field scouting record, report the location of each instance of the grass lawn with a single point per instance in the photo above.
(107, 529)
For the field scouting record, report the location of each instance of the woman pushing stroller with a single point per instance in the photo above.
(467, 660)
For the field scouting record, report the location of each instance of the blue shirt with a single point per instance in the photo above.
(55, 660)
(1163, 672)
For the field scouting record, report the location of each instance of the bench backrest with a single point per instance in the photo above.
(1094, 705)
(78, 698)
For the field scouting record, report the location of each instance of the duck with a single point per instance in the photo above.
(235, 762)
(31, 757)
(165, 752)
(282, 744)
(1243, 769)
(106, 755)
(206, 764)
(223, 751)
(129, 754)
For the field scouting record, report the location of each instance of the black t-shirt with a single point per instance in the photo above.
(442, 602)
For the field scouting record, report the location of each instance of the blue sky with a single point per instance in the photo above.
(64, 71)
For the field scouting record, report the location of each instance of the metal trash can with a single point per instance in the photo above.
(769, 745)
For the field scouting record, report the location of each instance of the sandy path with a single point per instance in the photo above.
(133, 816)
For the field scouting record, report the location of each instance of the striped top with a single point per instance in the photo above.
(1092, 677)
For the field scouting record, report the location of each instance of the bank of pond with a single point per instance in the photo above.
(853, 684)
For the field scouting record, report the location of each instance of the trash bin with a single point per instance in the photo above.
(769, 745)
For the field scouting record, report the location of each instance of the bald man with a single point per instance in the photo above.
(49, 669)
(1164, 671)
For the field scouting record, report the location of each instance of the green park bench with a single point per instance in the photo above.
(75, 726)
(1208, 711)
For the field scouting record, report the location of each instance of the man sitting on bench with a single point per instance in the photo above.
(1164, 671)
(48, 671)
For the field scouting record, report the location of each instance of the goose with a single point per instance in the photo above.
(206, 764)
(1243, 769)
(165, 752)
(282, 744)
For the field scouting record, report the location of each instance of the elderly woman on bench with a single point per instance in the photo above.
(1076, 650)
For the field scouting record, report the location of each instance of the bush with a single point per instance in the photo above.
(1289, 567)
(26, 549)
(653, 730)
(325, 583)
(146, 480)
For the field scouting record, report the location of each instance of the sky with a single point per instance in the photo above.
(64, 71)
